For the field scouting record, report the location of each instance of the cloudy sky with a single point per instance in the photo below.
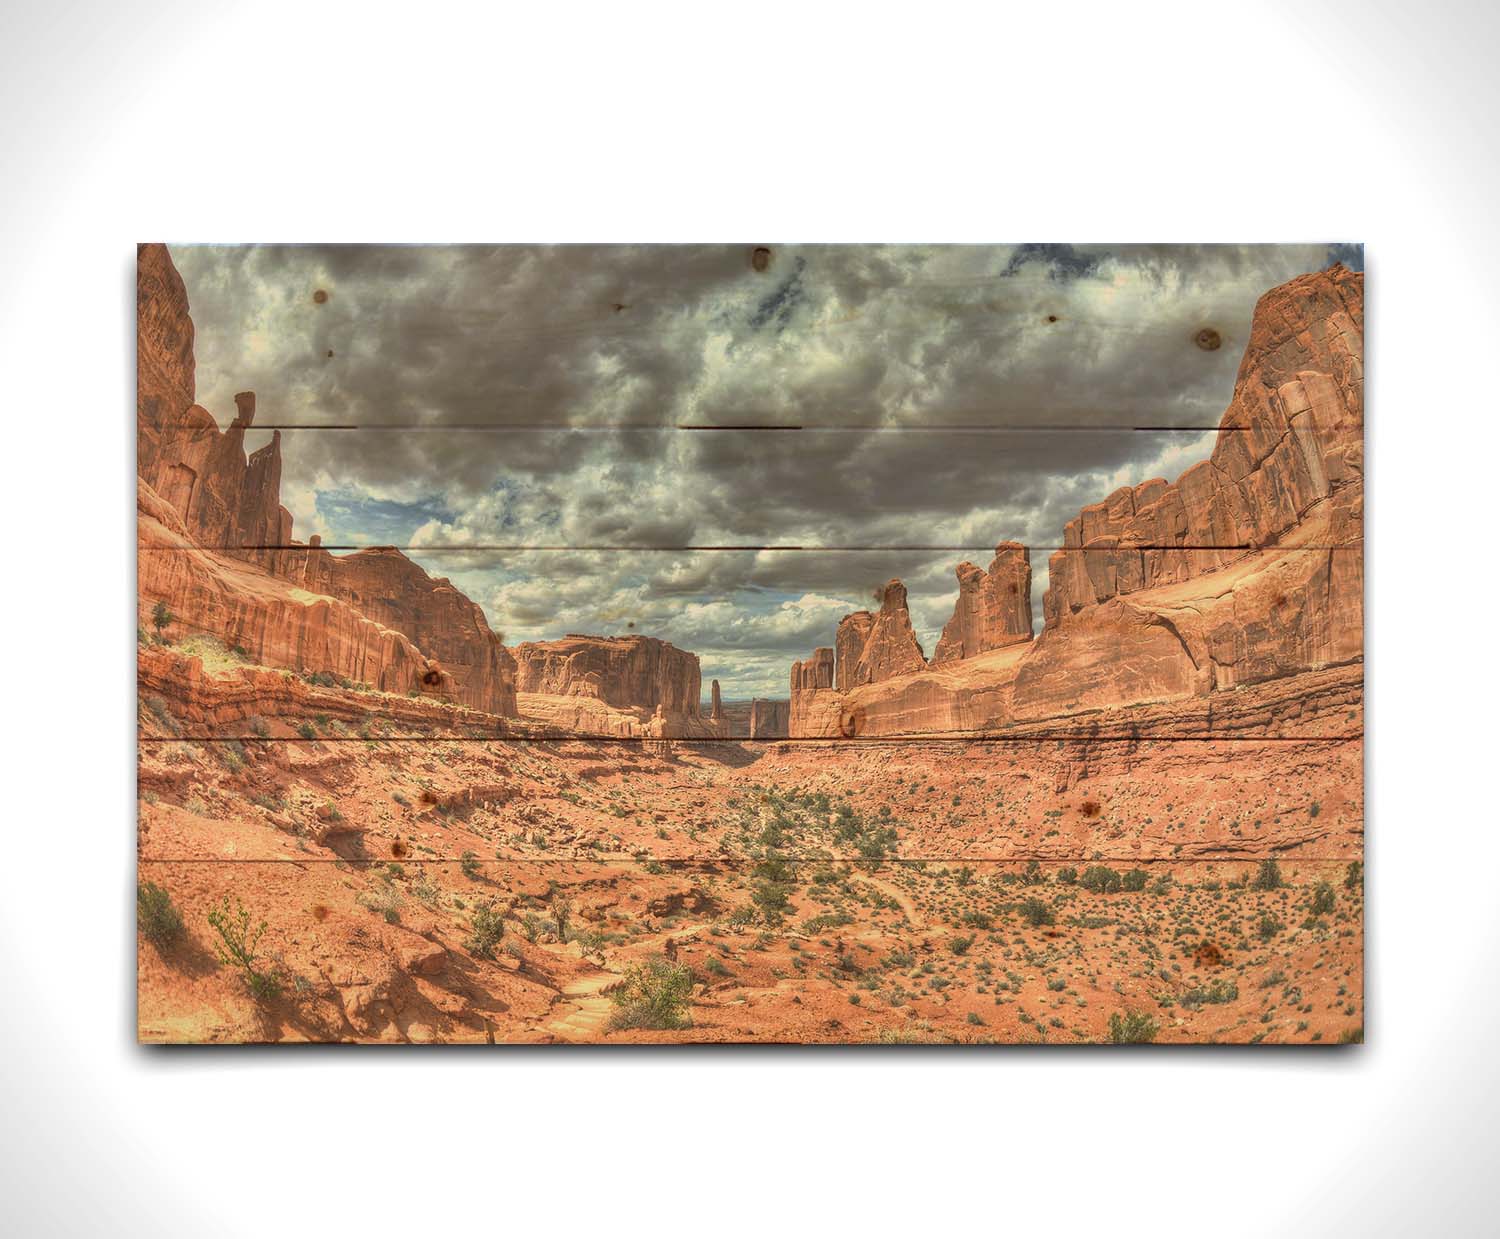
(522, 418)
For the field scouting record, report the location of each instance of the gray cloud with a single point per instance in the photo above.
(873, 349)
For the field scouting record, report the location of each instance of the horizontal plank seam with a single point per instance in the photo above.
(745, 861)
(571, 738)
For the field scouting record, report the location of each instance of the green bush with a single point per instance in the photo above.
(1323, 899)
(1100, 879)
(1067, 875)
(1036, 913)
(1268, 876)
(161, 617)
(1354, 876)
(1269, 927)
(1133, 880)
(1216, 992)
(654, 994)
(486, 928)
(156, 915)
(561, 908)
(1132, 1028)
(468, 863)
(237, 947)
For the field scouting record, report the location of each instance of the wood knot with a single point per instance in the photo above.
(1208, 339)
(760, 258)
(320, 296)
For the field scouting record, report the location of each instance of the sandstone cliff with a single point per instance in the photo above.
(206, 508)
(993, 608)
(1293, 435)
(1169, 600)
(814, 704)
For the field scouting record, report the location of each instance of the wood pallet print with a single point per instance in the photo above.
(795, 644)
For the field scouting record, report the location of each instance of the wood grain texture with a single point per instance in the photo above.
(777, 644)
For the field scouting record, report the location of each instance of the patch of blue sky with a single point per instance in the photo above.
(356, 519)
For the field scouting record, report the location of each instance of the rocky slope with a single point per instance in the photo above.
(1248, 569)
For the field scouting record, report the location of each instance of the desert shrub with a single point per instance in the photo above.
(1269, 927)
(960, 945)
(468, 863)
(306, 730)
(237, 947)
(653, 994)
(1354, 876)
(1036, 913)
(1352, 1036)
(1219, 991)
(156, 915)
(1323, 900)
(161, 617)
(1100, 879)
(1132, 1028)
(384, 899)
(1133, 880)
(561, 908)
(258, 726)
(1067, 875)
(1033, 875)
(486, 928)
(1268, 876)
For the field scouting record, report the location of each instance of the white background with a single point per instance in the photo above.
(1371, 122)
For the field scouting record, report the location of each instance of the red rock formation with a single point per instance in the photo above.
(385, 585)
(274, 622)
(891, 649)
(1171, 601)
(1291, 437)
(201, 493)
(165, 370)
(715, 704)
(849, 644)
(641, 673)
(769, 720)
(813, 696)
(993, 608)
